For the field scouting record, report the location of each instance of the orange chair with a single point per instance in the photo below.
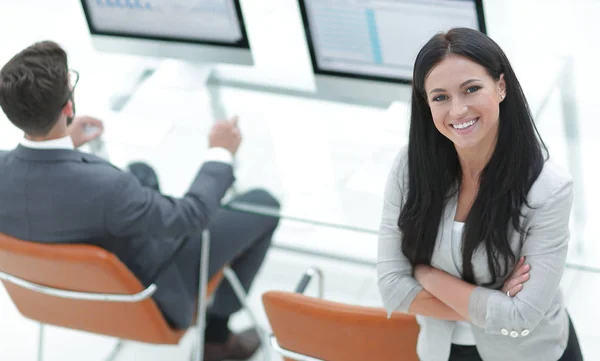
(87, 288)
(312, 329)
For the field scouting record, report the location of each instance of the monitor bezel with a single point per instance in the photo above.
(243, 43)
(341, 74)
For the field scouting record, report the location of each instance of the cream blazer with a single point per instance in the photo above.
(533, 325)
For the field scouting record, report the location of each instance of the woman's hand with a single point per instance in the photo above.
(514, 283)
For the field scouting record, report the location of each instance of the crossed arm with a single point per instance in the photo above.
(434, 293)
(439, 285)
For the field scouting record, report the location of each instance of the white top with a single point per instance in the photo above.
(462, 334)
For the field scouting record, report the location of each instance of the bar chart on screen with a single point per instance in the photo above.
(199, 5)
(210, 19)
(126, 4)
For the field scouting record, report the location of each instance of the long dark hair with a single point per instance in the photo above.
(434, 172)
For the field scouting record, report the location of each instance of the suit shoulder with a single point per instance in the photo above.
(97, 172)
(552, 179)
(95, 160)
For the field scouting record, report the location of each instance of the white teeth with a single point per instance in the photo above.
(464, 125)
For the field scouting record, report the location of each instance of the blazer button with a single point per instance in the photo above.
(524, 333)
(514, 334)
(504, 332)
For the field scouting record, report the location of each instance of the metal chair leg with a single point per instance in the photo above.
(198, 348)
(115, 351)
(41, 343)
(241, 295)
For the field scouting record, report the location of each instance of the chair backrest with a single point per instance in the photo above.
(83, 268)
(338, 332)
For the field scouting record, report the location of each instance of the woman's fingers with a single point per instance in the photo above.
(519, 264)
(520, 271)
(515, 290)
(520, 275)
(516, 282)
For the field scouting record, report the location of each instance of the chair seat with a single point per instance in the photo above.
(83, 268)
(339, 332)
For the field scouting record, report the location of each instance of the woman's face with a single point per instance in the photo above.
(465, 102)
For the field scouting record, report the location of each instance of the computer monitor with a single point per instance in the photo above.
(201, 31)
(364, 50)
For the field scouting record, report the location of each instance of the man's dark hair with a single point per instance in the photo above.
(34, 87)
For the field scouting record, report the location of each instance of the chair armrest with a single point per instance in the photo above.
(76, 295)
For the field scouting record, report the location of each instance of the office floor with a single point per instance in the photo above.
(564, 27)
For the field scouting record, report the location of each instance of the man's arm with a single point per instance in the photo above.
(134, 210)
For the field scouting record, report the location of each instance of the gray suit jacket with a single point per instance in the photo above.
(533, 325)
(65, 196)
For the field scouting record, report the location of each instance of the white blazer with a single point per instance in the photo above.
(531, 326)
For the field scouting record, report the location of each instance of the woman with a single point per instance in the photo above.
(474, 184)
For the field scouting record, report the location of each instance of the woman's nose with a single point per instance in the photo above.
(458, 109)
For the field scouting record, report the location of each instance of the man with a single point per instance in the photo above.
(52, 193)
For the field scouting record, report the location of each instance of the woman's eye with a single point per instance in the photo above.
(473, 89)
(439, 98)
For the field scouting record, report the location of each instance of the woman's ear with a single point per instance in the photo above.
(501, 84)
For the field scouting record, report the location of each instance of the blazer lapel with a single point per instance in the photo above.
(442, 256)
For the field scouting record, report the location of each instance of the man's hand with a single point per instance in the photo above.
(83, 129)
(514, 283)
(225, 134)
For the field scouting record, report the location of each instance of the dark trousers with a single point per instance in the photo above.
(469, 353)
(240, 240)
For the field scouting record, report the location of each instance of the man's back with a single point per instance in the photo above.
(65, 196)
(55, 196)
(51, 193)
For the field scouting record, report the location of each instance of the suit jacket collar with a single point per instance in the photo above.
(50, 155)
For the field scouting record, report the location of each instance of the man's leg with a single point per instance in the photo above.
(242, 241)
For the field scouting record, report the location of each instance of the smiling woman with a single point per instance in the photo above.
(475, 226)
(464, 102)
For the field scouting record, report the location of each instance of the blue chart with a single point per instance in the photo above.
(125, 4)
(349, 34)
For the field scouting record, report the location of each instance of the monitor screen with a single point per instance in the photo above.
(379, 39)
(210, 22)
